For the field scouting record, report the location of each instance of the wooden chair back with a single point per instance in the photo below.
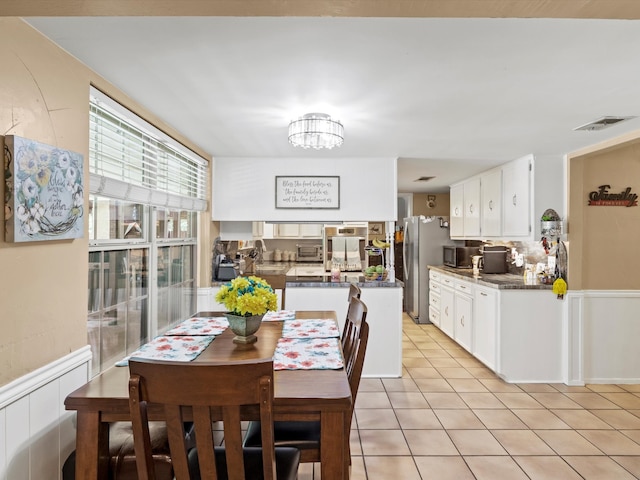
(355, 315)
(210, 391)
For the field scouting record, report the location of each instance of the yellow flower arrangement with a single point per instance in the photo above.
(247, 296)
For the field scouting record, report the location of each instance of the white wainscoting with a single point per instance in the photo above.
(36, 432)
(603, 333)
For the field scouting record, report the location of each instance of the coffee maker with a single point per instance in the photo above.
(223, 266)
(494, 259)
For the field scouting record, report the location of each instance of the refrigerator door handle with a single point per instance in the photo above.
(405, 253)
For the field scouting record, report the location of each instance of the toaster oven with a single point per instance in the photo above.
(309, 253)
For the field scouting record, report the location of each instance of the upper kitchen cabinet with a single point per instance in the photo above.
(516, 197)
(465, 209)
(472, 207)
(311, 230)
(456, 220)
(287, 230)
(491, 203)
(506, 196)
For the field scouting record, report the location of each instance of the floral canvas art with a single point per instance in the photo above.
(44, 194)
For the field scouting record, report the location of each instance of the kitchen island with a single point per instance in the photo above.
(515, 327)
(305, 286)
(384, 313)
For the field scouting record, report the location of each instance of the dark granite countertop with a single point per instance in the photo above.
(324, 281)
(501, 281)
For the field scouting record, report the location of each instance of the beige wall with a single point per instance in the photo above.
(44, 95)
(420, 206)
(604, 253)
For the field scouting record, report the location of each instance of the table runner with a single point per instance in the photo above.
(200, 326)
(310, 328)
(307, 354)
(279, 315)
(175, 348)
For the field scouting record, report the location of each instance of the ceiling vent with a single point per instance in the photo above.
(602, 123)
(423, 179)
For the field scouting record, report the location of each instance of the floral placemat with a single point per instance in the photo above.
(279, 315)
(176, 348)
(307, 354)
(200, 326)
(310, 328)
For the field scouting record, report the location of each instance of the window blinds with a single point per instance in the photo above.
(129, 159)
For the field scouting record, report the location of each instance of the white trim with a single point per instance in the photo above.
(585, 355)
(30, 382)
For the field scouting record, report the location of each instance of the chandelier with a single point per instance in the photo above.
(316, 130)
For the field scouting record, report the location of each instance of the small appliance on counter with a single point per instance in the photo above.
(494, 259)
(308, 253)
(224, 269)
(459, 257)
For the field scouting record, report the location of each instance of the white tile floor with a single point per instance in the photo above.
(449, 417)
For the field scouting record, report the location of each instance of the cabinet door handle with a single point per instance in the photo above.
(491, 205)
(471, 208)
(446, 311)
(514, 199)
(462, 287)
(462, 320)
(456, 211)
(483, 294)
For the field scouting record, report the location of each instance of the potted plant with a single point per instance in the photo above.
(247, 299)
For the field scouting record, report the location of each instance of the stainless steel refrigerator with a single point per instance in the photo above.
(423, 241)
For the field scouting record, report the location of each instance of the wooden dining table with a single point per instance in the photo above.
(307, 395)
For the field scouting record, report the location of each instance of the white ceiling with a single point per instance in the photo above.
(448, 97)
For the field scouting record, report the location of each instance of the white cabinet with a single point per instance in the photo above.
(484, 325)
(287, 230)
(491, 203)
(446, 310)
(463, 314)
(516, 197)
(456, 215)
(311, 230)
(464, 201)
(496, 203)
(472, 207)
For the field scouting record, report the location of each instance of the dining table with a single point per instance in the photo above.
(299, 395)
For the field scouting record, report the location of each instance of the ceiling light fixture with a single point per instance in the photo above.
(316, 130)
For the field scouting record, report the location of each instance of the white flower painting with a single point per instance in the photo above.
(44, 195)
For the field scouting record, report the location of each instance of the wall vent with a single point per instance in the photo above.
(602, 123)
(423, 179)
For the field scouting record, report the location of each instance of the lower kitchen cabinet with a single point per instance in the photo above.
(484, 321)
(516, 332)
(446, 310)
(463, 311)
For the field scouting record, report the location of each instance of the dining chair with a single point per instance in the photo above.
(356, 312)
(210, 391)
(305, 435)
(122, 459)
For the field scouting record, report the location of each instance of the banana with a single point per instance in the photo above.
(378, 244)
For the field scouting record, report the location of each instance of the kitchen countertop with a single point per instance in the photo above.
(324, 281)
(307, 276)
(501, 281)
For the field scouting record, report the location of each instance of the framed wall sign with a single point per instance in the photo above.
(308, 192)
(44, 195)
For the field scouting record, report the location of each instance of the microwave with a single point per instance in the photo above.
(458, 257)
(309, 253)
